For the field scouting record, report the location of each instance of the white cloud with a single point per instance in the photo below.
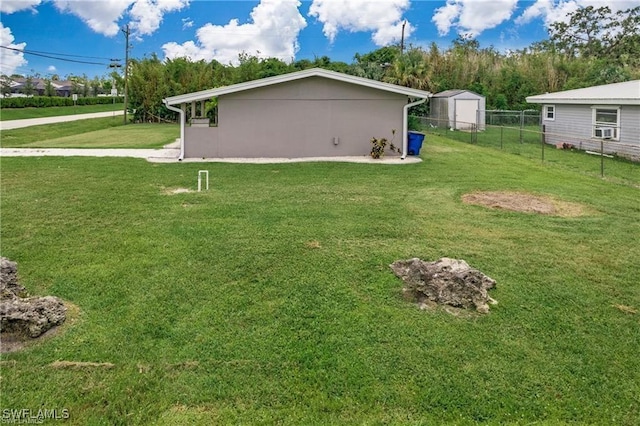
(558, 10)
(383, 18)
(52, 68)
(445, 16)
(186, 23)
(472, 16)
(103, 16)
(10, 60)
(147, 14)
(272, 31)
(10, 6)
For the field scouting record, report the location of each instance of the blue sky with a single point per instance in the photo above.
(287, 29)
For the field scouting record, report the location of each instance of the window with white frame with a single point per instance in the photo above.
(606, 122)
(550, 112)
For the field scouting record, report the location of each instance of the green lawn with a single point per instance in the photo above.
(268, 299)
(91, 133)
(528, 144)
(21, 113)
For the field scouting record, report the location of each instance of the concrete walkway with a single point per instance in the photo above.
(167, 154)
(170, 153)
(27, 122)
(353, 159)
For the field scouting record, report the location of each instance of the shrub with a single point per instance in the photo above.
(413, 123)
(54, 101)
(379, 145)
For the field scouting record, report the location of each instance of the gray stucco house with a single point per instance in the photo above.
(457, 109)
(586, 118)
(310, 113)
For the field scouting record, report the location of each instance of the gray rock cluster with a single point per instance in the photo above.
(446, 281)
(25, 316)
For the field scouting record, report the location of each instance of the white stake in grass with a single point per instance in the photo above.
(202, 173)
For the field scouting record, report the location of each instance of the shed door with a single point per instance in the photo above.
(466, 111)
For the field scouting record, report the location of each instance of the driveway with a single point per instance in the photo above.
(27, 122)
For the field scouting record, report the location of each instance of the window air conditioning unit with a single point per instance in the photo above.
(604, 132)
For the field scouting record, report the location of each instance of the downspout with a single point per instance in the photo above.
(405, 125)
(182, 120)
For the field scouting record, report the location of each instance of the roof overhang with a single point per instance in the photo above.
(313, 72)
(625, 93)
(581, 101)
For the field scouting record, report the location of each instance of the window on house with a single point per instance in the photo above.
(606, 122)
(550, 112)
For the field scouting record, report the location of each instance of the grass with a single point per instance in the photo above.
(92, 133)
(507, 140)
(268, 299)
(22, 113)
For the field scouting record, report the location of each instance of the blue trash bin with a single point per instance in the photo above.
(414, 142)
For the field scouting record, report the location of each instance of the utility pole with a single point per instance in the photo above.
(114, 88)
(126, 32)
(402, 39)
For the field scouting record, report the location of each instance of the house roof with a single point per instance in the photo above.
(448, 93)
(627, 93)
(39, 83)
(453, 92)
(313, 72)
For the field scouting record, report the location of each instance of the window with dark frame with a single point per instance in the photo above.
(549, 112)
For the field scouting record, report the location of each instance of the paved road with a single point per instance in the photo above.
(17, 124)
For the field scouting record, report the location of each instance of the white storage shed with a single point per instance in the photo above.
(458, 109)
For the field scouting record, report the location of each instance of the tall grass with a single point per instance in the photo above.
(268, 299)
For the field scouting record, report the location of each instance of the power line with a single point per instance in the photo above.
(31, 52)
(70, 55)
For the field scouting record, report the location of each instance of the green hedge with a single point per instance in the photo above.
(53, 101)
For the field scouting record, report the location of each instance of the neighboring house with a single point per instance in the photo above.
(18, 85)
(458, 109)
(310, 113)
(607, 116)
(63, 88)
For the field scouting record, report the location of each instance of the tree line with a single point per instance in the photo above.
(596, 46)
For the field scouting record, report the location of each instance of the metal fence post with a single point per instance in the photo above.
(521, 126)
(601, 158)
(477, 124)
(501, 135)
(542, 142)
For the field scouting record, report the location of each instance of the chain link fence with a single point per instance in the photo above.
(520, 133)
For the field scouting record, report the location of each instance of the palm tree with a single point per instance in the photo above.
(410, 70)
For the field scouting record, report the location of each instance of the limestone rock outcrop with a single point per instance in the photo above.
(25, 316)
(446, 281)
